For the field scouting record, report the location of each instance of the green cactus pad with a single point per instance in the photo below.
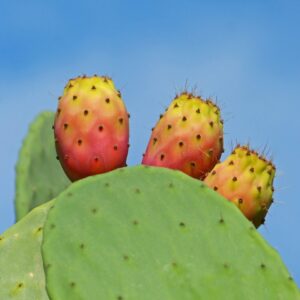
(22, 273)
(39, 176)
(153, 233)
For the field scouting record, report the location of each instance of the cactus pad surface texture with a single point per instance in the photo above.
(22, 273)
(153, 233)
(39, 176)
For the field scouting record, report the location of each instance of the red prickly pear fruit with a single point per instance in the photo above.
(246, 179)
(91, 127)
(188, 137)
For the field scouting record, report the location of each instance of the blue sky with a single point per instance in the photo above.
(245, 54)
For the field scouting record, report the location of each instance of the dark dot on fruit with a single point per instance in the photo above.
(39, 229)
(221, 220)
(240, 200)
(180, 144)
(210, 152)
(248, 153)
(70, 85)
(193, 164)
(215, 188)
(82, 246)
(137, 191)
(93, 87)
(106, 184)
(125, 257)
(171, 185)
(234, 178)
(259, 189)
(213, 172)
(182, 224)
(175, 105)
(263, 266)
(162, 156)
(86, 112)
(100, 128)
(59, 98)
(251, 170)
(96, 159)
(79, 142)
(107, 100)
(52, 226)
(174, 264)
(94, 210)
(57, 157)
(226, 266)
(115, 147)
(135, 222)
(184, 119)
(231, 163)
(160, 116)
(52, 126)
(74, 97)
(65, 126)
(121, 120)
(20, 285)
(72, 284)
(198, 136)
(211, 123)
(154, 141)
(198, 111)
(120, 298)
(152, 128)
(119, 94)
(169, 126)
(290, 278)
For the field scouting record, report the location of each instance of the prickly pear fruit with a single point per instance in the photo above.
(246, 179)
(91, 127)
(188, 137)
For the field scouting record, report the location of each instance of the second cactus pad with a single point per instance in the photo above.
(153, 233)
(39, 177)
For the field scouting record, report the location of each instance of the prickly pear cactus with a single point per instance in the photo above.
(153, 233)
(21, 265)
(39, 176)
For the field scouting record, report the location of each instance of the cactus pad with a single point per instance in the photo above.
(39, 176)
(21, 265)
(153, 233)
